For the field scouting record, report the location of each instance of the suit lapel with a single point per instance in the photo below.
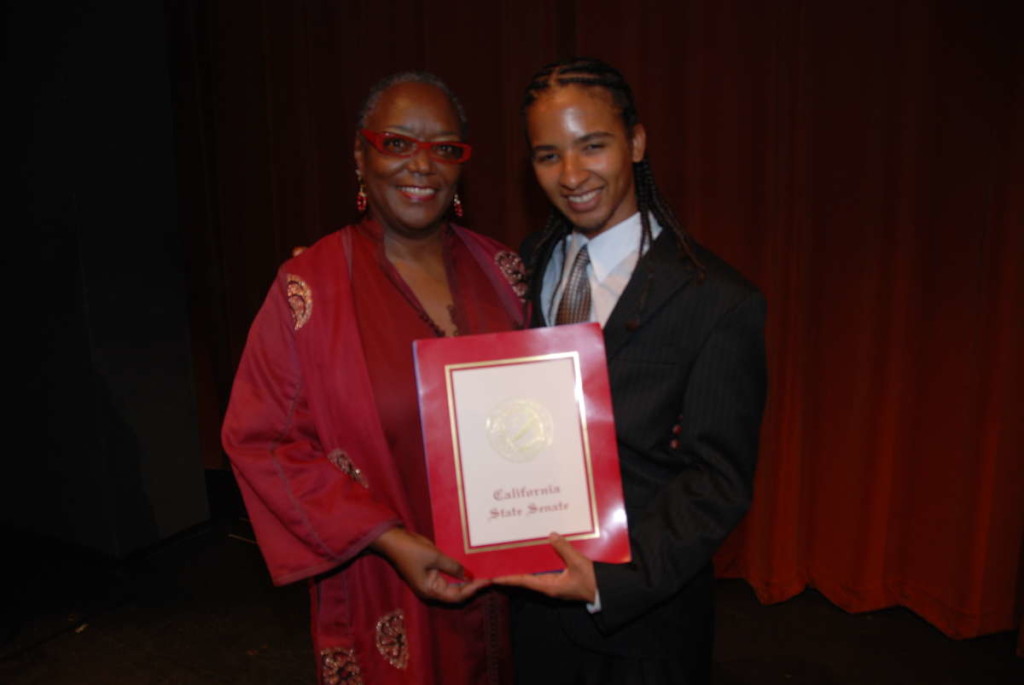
(660, 273)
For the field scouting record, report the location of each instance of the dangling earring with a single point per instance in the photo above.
(457, 206)
(360, 195)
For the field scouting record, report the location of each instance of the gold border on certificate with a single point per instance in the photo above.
(581, 409)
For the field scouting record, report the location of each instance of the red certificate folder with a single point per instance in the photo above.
(520, 442)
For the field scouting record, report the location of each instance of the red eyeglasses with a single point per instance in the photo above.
(397, 145)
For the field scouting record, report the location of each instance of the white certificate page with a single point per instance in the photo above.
(521, 451)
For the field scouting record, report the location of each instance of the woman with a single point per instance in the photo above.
(323, 425)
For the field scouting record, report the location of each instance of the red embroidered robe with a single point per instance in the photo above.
(323, 434)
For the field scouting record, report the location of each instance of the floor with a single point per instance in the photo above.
(200, 610)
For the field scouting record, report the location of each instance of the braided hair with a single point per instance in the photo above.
(591, 72)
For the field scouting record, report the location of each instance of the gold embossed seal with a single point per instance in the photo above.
(520, 429)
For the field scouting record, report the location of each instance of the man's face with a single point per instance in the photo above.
(583, 156)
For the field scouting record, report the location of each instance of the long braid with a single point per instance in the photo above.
(586, 71)
(650, 199)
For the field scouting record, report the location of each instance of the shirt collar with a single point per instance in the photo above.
(609, 248)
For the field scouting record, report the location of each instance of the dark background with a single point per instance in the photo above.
(862, 163)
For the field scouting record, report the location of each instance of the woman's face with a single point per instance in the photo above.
(409, 195)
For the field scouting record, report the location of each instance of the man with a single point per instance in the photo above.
(684, 339)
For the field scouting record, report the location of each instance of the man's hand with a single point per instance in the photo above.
(576, 581)
(422, 565)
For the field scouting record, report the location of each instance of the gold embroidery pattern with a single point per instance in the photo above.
(345, 465)
(391, 641)
(300, 299)
(512, 266)
(339, 666)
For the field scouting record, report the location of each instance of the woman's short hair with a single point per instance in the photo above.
(411, 77)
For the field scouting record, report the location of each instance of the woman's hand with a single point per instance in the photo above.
(422, 566)
(575, 582)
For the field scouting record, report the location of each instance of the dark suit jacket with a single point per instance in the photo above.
(688, 353)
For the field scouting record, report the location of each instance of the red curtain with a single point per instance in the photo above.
(864, 164)
(880, 209)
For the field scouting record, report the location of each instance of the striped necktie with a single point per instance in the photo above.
(575, 304)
